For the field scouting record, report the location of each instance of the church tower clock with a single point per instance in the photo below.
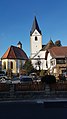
(35, 38)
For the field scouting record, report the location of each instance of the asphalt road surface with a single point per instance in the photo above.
(31, 110)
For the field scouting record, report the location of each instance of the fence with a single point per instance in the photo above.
(61, 86)
(25, 91)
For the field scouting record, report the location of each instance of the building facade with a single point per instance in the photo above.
(14, 58)
(35, 38)
(57, 60)
(52, 56)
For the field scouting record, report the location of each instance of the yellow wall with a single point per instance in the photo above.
(8, 65)
(16, 64)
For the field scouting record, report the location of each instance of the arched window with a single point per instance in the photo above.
(35, 38)
(11, 65)
(4, 65)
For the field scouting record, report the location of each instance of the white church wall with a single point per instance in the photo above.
(18, 64)
(40, 56)
(51, 62)
(36, 45)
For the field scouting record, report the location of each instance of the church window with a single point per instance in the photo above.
(4, 65)
(35, 38)
(52, 62)
(11, 65)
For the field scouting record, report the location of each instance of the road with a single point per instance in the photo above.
(31, 110)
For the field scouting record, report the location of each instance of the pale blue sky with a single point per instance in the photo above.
(16, 18)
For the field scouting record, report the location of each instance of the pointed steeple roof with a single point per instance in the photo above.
(19, 43)
(35, 26)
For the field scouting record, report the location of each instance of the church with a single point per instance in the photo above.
(52, 56)
(14, 58)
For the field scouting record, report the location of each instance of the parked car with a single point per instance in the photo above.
(16, 80)
(2, 80)
(33, 75)
(37, 80)
(26, 80)
(2, 73)
(5, 79)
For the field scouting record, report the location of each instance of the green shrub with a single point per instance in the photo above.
(62, 77)
(42, 73)
(48, 79)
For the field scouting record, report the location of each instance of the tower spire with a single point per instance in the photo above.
(19, 45)
(35, 26)
(35, 38)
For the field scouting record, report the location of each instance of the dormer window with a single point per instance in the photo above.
(35, 38)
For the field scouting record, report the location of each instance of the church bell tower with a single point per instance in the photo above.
(35, 38)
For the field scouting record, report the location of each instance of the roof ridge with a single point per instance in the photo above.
(14, 52)
(6, 53)
(9, 51)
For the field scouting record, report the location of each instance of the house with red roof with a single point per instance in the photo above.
(41, 55)
(53, 59)
(56, 59)
(14, 58)
(52, 56)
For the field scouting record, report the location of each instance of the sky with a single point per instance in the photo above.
(16, 19)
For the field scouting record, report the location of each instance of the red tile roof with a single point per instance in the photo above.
(14, 53)
(58, 52)
(49, 45)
